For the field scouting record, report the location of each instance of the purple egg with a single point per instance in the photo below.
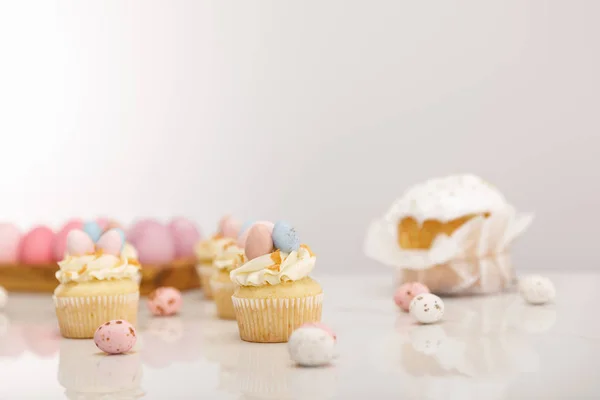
(185, 235)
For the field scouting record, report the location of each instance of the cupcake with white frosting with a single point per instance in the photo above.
(452, 234)
(275, 294)
(97, 284)
(207, 250)
(230, 256)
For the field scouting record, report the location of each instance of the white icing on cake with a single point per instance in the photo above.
(448, 198)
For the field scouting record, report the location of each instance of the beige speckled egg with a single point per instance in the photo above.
(259, 242)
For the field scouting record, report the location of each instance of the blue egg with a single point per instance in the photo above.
(93, 230)
(285, 237)
(245, 226)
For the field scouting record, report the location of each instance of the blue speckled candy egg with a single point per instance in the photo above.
(285, 237)
(93, 230)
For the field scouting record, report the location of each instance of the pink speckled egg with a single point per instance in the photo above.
(406, 292)
(153, 241)
(60, 239)
(229, 227)
(115, 337)
(259, 242)
(37, 246)
(321, 326)
(165, 301)
(10, 238)
(244, 236)
(185, 235)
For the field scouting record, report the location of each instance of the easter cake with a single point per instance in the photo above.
(452, 234)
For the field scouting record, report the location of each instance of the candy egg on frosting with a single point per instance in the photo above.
(259, 242)
(185, 235)
(229, 227)
(115, 337)
(60, 239)
(165, 301)
(79, 243)
(10, 238)
(93, 229)
(153, 241)
(285, 237)
(111, 242)
(36, 246)
(244, 236)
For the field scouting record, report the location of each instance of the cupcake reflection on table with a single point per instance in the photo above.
(274, 293)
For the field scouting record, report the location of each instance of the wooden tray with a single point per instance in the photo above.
(180, 274)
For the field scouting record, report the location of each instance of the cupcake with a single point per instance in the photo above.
(230, 256)
(207, 250)
(451, 234)
(96, 285)
(274, 293)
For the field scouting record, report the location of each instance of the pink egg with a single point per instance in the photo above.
(320, 326)
(141, 226)
(113, 224)
(165, 301)
(259, 242)
(36, 246)
(153, 241)
(185, 235)
(10, 239)
(102, 223)
(60, 239)
(110, 242)
(244, 236)
(229, 227)
(406, 292)
(115, 337)
(79, 243)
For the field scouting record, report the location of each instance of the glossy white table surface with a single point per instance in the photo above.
(493, 347)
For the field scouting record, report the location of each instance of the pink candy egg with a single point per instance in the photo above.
(259, 242)
(165, 301)
(321, 326)
(115, 337)
(60, 239)
(79, 243)
(110, 242)
(36, 246)
(185, 235)
(10, 238)
(244, 236)
(229, 227)
(406, 292)
(102, 223)
(153, 241)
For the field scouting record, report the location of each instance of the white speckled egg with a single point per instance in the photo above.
(537, 289)
(427, 308)
(311, 346)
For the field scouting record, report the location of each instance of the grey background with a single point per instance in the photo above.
(319, 112)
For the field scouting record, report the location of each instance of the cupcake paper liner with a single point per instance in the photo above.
(222, 292)
(79, 317)
(274, 320)
(474, 259)
(205, 271)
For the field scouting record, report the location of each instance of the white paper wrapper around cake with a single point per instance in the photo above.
(474, 259)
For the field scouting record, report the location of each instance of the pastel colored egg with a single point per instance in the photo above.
(103, 223)
(93, 230)
(537, 289)
(60, 239)
(245, 226)
(321, 326)
(79, 243)
(115, 337)
(285, 237)
(229, 227)
(427, 308)
(165, 301)
(113, 224)
(259, 242)
(111, 242)
(244, 236)
(153, 241)
(185, 235)
(311, 346)
(407, 292)
(10, 238)
(36, 246)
